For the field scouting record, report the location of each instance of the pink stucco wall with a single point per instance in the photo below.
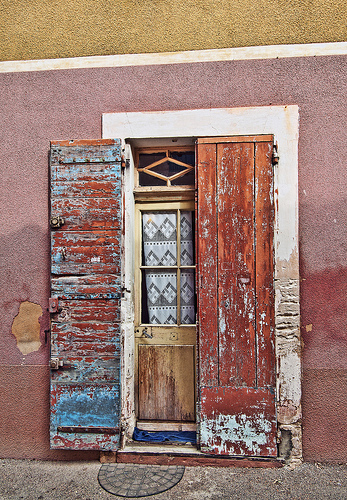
(41, 106)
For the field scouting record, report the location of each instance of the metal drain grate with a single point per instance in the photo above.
(134, 481)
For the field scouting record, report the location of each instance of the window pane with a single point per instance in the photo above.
(147, 159)
(168, 168)
(159, 238)
(184, 156)
(187, 297)
(187, 239)
(161, 293)
(148, 180)
(185, 180)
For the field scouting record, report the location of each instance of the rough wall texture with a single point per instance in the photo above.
(51, 29)
(42, 106)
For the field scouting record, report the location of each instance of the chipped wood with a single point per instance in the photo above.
(85, 278)
(235, 278)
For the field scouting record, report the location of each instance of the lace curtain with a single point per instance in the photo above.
(160, 249)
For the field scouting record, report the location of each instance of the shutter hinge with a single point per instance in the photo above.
(125, 163)
(275, 155)
(53, 305)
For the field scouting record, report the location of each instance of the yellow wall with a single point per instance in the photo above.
(40, 29)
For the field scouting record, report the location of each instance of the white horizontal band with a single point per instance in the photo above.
(191, 56)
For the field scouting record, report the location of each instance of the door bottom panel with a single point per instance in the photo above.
(166, 383)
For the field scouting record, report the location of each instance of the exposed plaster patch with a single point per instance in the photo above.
(26, 327)
(288, 412)
(288, 268)
(295, 432)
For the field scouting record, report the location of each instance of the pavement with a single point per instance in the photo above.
(43, 480)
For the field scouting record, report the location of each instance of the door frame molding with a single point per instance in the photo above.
(283, 123)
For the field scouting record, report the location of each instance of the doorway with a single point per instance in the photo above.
(165, 312)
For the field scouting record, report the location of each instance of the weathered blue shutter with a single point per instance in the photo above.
(85, 294)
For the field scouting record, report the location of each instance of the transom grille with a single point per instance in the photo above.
(166, 168)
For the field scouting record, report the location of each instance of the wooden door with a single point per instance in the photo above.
(85, 294)
(236, 296)
(165, 333)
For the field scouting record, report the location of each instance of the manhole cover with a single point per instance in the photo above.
(133, 481)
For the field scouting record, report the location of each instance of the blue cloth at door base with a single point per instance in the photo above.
(162, 436)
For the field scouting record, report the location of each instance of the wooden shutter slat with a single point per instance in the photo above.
(86, 287)
(207, 265)
(264, 209)
(102, 369)
(236, 262)
(84, 252)
(79, 405)
(80, 215)
(88, 310)
(85, 188)
(96, 151)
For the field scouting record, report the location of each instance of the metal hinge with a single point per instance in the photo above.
(126, 156)
(275, 155)
(53, 305)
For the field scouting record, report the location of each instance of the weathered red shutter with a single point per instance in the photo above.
(236, 296)
(85, 294)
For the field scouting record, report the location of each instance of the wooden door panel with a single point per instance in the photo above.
(236, 298)
(238, 421)
(207, 266)
(166, 382)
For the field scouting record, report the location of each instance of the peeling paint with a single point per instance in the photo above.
(236, 434)
(26, 327)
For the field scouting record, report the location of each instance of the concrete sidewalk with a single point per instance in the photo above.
(36, 480)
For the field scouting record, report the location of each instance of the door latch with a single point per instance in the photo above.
(56, 363)
(146, 334)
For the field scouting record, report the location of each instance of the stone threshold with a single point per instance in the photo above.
(188, 455)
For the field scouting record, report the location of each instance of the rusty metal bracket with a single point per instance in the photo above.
(56, 363)
(88, 430)
(53, 305)
(56, 221)
(275, 155)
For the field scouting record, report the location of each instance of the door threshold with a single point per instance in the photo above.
(172, 448)
(150, 425)
(180, 454)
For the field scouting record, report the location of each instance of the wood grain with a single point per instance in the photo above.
(166, 383)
